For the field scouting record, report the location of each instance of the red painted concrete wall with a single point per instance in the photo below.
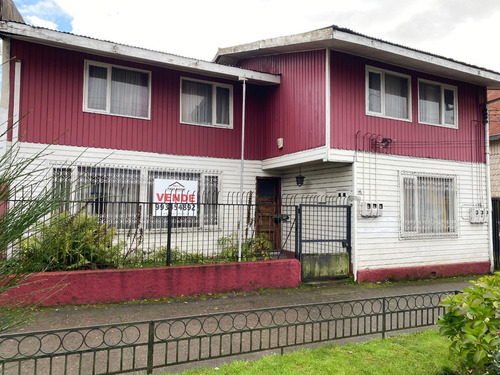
(111, 286)
(420, 272)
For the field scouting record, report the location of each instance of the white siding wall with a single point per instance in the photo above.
(322, 183)
(376, 241)
(184, 238)
(228, 169)
(378, 244)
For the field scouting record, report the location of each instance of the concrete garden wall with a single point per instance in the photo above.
(111, 286)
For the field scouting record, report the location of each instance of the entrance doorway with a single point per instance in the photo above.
(268, 205)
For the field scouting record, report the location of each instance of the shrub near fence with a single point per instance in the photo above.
(142, 234)
(87, 240)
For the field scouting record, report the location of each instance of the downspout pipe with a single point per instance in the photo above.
(327, 106)
(242, 165)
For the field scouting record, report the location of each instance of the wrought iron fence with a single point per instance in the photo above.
(142, 347)
(143, 233)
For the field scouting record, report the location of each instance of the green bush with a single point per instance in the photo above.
(258, 248)
(472, 322)
(178, 257)
(70, 242)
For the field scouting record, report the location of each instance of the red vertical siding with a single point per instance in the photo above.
(52, 98)
(294, 110)
(348, 116)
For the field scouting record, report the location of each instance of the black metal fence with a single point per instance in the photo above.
(142, 347)
(141, 233)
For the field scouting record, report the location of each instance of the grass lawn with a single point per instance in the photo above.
(407, 354)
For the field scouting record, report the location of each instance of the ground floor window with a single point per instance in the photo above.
(428, 205)
(126, 197)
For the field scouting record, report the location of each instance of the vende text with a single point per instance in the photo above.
(173, 198)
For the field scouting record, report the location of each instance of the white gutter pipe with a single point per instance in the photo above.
(17, 100)
(327, 105)
(242, 166)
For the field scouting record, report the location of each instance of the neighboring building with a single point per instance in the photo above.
(398, 131)
(494, 117)
(494, 121)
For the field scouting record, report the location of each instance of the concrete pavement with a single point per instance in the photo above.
(79, 316)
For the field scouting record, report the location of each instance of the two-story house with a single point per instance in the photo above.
(399, 132)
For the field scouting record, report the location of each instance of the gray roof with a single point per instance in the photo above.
(348, 41)
(10, 29)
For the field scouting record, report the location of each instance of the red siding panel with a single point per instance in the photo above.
(52, 98)
(352, 129)
(294, 110)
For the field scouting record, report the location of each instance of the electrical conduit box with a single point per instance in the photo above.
(478, 214)
(372, 209)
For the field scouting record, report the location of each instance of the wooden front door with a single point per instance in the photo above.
(268, 202)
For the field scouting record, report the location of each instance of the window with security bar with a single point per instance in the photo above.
(428, 205)
(61, 180)
(193, 198)
(110, 193)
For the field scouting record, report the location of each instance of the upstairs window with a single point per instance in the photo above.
(205, 103)
(437, 104)
(116, 90)
(387, 94)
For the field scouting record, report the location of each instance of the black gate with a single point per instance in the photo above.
(323, 240)
(496, 231)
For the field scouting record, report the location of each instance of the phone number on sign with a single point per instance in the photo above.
(185, 207)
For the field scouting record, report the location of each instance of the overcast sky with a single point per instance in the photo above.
(464, 30)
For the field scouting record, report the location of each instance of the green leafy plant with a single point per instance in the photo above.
(472, 322)
(178, 257)
(258, 248)
(17, 216)
(70, 242)
(493, 366)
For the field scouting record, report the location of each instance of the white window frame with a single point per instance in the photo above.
(418, 230)
(383, 72)
(214, 85)
(109, 67)
(441, 104)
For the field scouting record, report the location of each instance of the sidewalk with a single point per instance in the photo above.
(79, 316)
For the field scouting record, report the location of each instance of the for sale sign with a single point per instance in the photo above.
(182, 194)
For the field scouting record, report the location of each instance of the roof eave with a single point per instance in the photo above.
(116, 50)
(349, 42)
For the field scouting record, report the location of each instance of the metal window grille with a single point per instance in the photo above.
(428, 205)
(211, 200)
(107, 192)
(161, 221)
(61, 179)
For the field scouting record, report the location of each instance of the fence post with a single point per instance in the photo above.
(383, 317)
(151, 343)
(169, 233)
(297, 231)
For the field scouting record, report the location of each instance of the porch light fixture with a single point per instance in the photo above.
(300, 179)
